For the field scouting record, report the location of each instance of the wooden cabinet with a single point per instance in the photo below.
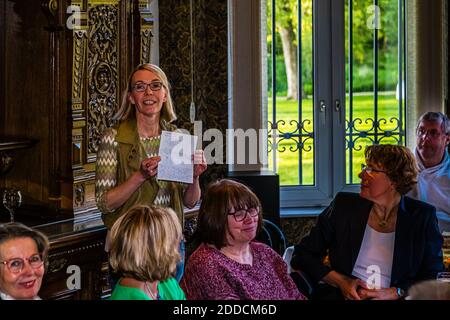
(77, 263)
(64, 64)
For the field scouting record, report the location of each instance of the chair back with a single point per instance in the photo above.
(273, 236)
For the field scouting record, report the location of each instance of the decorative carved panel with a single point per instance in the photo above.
(99, 56)
(103, 70)
(146, 26)
(82, 52)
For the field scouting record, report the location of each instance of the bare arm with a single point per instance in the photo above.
(192, 194)
(118, 195)
(193, 191)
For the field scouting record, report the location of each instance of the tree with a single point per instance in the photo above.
(287, 28)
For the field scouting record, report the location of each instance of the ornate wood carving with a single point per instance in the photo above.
(76, 73)
(57, 265)
(79, 62)
(95, 91)
(50, 9)
(146, 26)
(78, 197)
(84, 249)
(103, 69)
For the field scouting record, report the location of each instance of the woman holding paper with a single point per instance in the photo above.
(127, 158)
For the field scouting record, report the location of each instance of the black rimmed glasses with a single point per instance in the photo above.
(15, 265)
(369, 169)
(241, 214)
(142, 86)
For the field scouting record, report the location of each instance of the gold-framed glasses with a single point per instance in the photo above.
(241, 214)
(369, 169)
(15, 265)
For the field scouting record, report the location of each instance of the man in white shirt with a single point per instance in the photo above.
(433, 181)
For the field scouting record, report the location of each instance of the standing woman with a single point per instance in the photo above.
(23, 252)
(127, 159)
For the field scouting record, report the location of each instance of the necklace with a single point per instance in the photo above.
(151, 293)
(382, 222)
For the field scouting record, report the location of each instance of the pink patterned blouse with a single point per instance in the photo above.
(210, 275)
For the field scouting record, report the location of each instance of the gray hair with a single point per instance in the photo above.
(436, 117)
(16, 230)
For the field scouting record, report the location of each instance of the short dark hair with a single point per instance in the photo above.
(432, 116)
(220, 197)
(398, 162)
(16, 230)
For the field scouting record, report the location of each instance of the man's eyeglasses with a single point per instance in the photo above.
(142, 86)
(241, 214)
(433, 133)
(16, 265)
(369, 169)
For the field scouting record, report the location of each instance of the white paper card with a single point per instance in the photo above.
(176, 150)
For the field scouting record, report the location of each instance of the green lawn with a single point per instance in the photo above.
(289, 161)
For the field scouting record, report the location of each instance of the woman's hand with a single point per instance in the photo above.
(199, 163)
(349, 286)
(149, 167)
(378, 294)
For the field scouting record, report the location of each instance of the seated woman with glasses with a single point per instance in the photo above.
(379, 242)
(22, 255)
(229, 264)
(144, 252)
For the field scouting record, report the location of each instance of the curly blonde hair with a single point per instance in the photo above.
(145, 243)
(398, 162)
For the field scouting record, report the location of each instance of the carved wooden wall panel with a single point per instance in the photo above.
(103, 71)
(70, 76)
(96, 83)
(146, 30)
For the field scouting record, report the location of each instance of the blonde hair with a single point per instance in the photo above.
(145, 243)
(126, 108)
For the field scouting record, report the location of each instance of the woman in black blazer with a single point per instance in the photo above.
(379, 242)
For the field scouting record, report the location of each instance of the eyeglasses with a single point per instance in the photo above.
(241, 214)
(369, 169)
(16, 265)
(142, 86)
(433, 133)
